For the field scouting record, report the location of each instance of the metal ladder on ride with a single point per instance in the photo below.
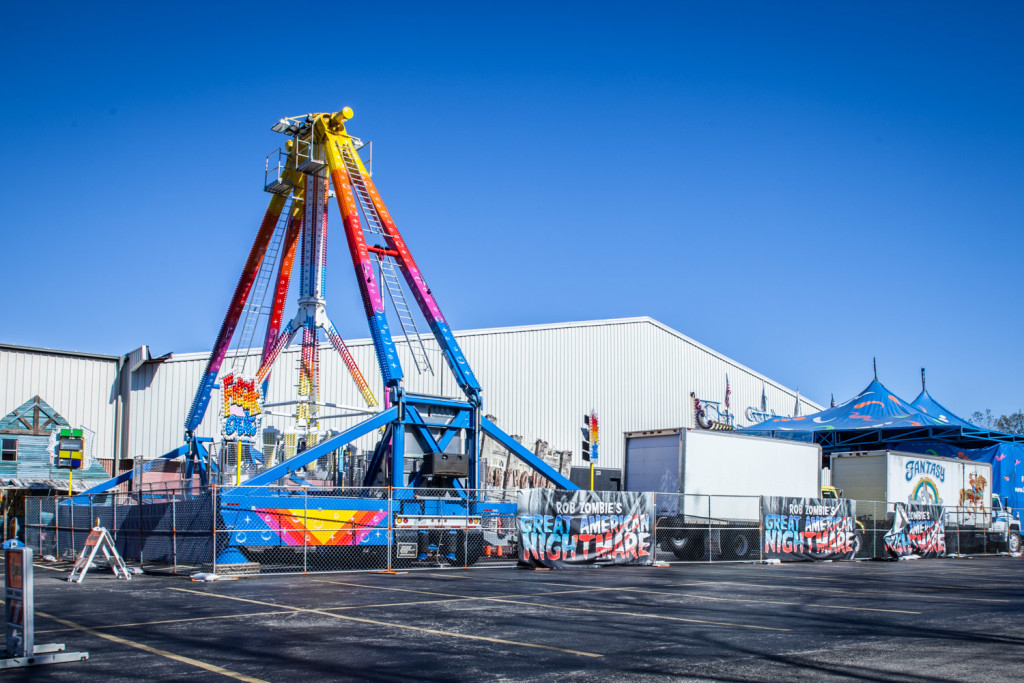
(388, 271)
(255, 305)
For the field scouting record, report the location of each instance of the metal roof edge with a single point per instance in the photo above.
(197, 355)
(200, 355)
(633, 320)
(730, 361)
(59, 352)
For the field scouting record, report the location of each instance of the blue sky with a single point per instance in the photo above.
(801, 186)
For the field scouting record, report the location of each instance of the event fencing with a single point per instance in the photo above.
(274, 530)
(700, 528)
(268, 530)
(959, 531)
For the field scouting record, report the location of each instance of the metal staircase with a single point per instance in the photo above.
(388, 271)
(256, 306)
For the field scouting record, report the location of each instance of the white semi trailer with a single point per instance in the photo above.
(964, 487)
(717, 479)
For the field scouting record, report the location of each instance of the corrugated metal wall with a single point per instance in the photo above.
(80, 387)
(538, 381)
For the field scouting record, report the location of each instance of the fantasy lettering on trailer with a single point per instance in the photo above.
(562, 528)
(925, 467)
(808, 528)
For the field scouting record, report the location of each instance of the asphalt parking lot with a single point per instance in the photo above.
(930, 620)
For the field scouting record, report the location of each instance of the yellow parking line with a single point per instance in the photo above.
(456, 595)
(382, 605)
(767, 602)
(468, 575)
(388, 624)
(156, 651)
(37, 565)
(576, 609)
(692, 584)
(640, 614)
(456, 598)
(874, 591)
(175, 621)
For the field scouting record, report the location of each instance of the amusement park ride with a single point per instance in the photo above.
(322, 159)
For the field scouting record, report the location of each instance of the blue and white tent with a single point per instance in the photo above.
(874, 408)
(878, 419)
(924, 403)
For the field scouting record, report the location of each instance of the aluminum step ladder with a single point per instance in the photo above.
(99, 540)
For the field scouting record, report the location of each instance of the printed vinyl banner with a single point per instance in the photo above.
(567, 528)
(808, 528)
(917, 530)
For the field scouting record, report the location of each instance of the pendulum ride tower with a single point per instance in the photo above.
(442, 435)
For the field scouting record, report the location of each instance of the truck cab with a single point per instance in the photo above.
(831, 492)
(1005, 524)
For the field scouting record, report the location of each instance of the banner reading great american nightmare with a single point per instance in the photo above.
(565, 528)
(809, 528)
(917, 530)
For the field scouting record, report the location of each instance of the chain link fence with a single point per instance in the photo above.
(293, 529)
(280, 530)
(698, 528)
(965, 531)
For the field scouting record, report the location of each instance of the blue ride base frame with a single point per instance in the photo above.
(238, 505)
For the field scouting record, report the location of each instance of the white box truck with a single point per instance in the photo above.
(721, 476)
(963, 486)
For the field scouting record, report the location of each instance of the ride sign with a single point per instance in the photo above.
(242, 415)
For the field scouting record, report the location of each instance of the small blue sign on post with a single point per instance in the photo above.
(19, 615)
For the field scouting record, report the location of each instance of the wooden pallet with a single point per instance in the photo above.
(239, 569)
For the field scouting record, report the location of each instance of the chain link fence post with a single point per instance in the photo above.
(874, 529)
(391, 533)
(957, 531)
(305, 529)
(213, 527)
(174, 534)
(138, 524)
(56, 528)
(760, 528)
(707, 541)
(654, 528)
(465, 530)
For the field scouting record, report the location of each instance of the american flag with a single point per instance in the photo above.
(727, 390)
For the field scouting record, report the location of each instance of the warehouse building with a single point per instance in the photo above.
(538, 381)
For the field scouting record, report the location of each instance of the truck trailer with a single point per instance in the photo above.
(717, 479)
(964, 487)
